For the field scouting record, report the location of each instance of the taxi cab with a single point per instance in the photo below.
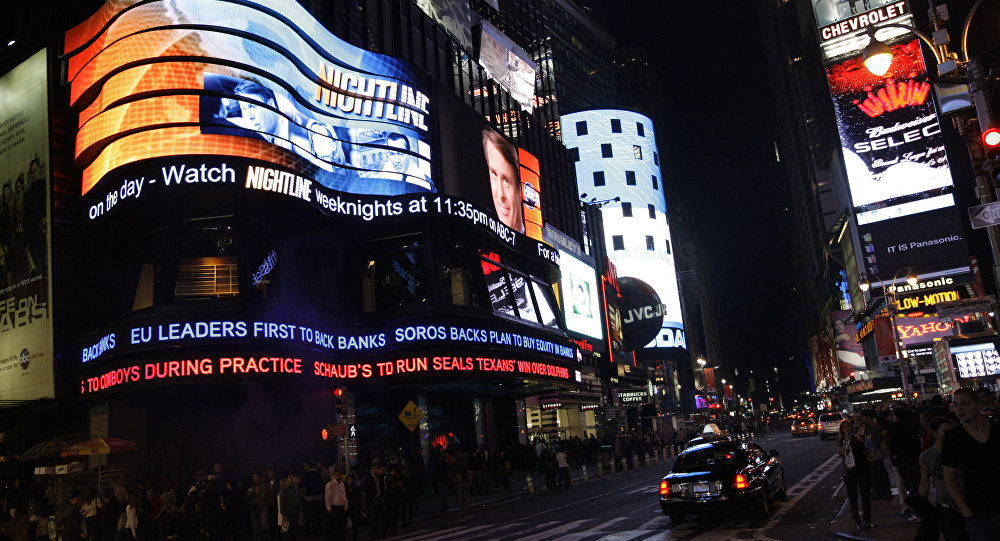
(805, 426)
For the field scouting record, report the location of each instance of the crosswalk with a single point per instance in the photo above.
(658, 528)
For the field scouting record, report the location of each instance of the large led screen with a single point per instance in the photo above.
(976, 360)
(26, 349)
(508, 64)
(636, 225)
(580, 296)
(892, 142)
(897, 169)
(262, 81)
(480, 164)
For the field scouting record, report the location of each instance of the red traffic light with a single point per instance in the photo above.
(338, 392)
(991, 138)
(325, 434)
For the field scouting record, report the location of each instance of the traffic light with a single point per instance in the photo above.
(991, 147)
(852, 377)
(340, 401)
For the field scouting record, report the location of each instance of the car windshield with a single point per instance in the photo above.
(712, 456)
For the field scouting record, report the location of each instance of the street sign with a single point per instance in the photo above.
(985, 215)
(411, 416)
(336, 429)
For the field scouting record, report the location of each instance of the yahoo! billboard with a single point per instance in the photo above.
(900, 183)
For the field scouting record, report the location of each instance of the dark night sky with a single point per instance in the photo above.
(716, 136)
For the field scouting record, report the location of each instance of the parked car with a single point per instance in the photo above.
(829, 424)
(804, 427)
(722, 476)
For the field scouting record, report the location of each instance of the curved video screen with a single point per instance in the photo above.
(252, 80)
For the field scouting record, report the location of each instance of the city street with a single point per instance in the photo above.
(625, 506)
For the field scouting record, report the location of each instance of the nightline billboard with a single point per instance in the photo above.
(259, 81)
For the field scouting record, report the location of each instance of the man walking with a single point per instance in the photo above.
(971, 470)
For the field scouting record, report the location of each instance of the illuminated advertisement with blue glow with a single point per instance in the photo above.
(618, 159)
(260, 81)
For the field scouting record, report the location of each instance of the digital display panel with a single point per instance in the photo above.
(922, 330)
(508, 64)
(892, 142)
(976, 360)
(480, 164)
(897, 168)
(581, 301)
(258, 81)
(26, 348)
(639, 243)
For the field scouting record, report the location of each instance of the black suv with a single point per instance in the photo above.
(724, 476)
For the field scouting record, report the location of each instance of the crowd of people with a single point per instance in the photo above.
(381, 493)
(950, 448)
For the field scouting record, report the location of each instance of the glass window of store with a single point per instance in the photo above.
(393, 274)
(206, 266)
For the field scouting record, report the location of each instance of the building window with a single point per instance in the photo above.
(656, 184)
(656, 158)
(640, 129)
(606, 150)
(598, 178)
(581, 127)
(668, 246)
(637, 152)
(649, 243)
(627, 210)
(630, 178)
(575, 154)
(617, 242)
(616, 125)
(652, 212)
(206, 268)
(393, 275)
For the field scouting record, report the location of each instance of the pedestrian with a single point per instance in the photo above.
(857, 474)
(440, 477)
(336, 503)
(375, 493)
(257, 500)
(868, 427)
(946, 520)
(904, 448)
(563, 464)
(971, 469)
(290, 507)
(353, 505)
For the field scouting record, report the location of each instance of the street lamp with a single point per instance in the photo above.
(890, 291)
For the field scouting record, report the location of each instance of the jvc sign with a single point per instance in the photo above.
(985, 215)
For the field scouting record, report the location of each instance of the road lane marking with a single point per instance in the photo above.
(801, 489)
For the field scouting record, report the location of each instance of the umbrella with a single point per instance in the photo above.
(46, 449)
(99, 446)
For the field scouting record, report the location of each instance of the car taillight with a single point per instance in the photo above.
(664, 488)
(812, 426)
(793, 427)
(741, 482)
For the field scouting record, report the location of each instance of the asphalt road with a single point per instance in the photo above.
(625, 506)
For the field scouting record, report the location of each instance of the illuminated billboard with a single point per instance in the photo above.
(455, 17)
(256, 81)
(580, 296)
(618, 158)
(837, 18)
(480, 164)
(898, 174)
(850, 353)
(26, 348)
(508, 64)
(976, 360)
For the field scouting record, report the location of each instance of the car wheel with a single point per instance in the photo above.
(783, 491)
(764, 508)
(676, 518)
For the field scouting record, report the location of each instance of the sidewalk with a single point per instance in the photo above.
(886, 515)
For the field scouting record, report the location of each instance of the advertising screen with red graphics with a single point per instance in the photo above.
(897, 169)
(250, 80)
